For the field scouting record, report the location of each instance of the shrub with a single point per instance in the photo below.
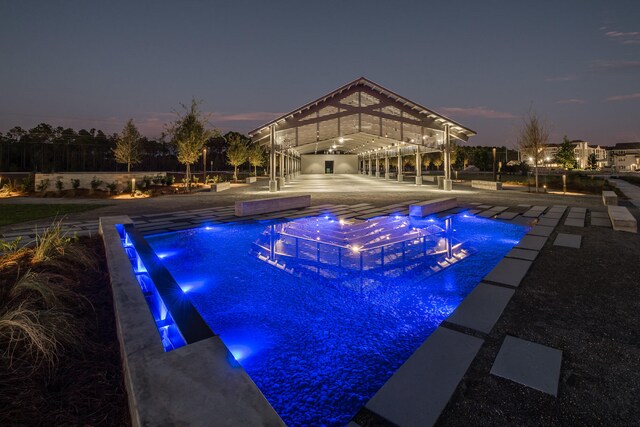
(7, 189)
(112, 187)
(59, 184)
(146, 181)
(44, 184)
(10, 247)
(170, 179)
(75, 183)
(95, 183)
(158, 180)
(26, 184)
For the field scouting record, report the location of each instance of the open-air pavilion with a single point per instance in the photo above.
(357, 128)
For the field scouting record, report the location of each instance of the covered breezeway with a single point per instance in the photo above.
(358, 128)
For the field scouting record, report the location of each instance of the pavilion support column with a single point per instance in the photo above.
(418, 166)
(370, 168)
(281, 180)
(377, 166)
(400, 176)
(386, 165)
(447, 159)
(287, 168)
(273, 184)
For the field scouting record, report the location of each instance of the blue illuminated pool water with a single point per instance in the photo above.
(319, 336)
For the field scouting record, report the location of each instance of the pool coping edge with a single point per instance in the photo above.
(187, 385)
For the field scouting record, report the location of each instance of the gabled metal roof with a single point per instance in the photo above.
(362, 81)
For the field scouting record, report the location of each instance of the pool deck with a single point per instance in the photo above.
(557, 224)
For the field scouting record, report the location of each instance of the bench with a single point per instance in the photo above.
(609, 198)
(250, 179)
(429, 207)
(486, 185)
(622, 220)
(273, 204)
(221, 186)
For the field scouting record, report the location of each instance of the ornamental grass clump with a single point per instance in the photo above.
(59, 354)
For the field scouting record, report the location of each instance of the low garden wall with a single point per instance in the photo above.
(122, 179)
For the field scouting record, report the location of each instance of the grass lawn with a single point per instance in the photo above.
(12, 214)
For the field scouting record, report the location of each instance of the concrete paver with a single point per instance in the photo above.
(509, 271)
(481, 309)
(418, 392)
(534, 365)
(568, 240)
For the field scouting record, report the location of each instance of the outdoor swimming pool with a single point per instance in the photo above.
(319, 312)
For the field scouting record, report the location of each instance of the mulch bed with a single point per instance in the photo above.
(86, 388)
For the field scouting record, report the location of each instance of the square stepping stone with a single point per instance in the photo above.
(551, 214)
(508, 215)
(532, 213)
(551, 222)
(420, 389)
(599, 215)
(482, 308)
(520, 220)
(541, 230)
(522, 254)
(568, 240)
(484, 206)
(487, 214)
(532, 242)
(574, 222)
(530, 364)
(576, 215)
(509, 271)
(600, 222)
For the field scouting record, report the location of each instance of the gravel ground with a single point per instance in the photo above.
(584, 302)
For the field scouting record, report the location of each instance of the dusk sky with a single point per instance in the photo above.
(486, 64)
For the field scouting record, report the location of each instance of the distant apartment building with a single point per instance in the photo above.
(625, 157)
(582, 151)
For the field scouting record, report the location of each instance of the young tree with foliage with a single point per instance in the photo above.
(237, 152)
(592, 161)
(127, 150)
(565, 156)
(532, 139)
(426, 160)
(407, 162)
(454, 153)
(189, 135)
(437, 159)
(256, 157)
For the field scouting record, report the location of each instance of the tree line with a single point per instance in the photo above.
(50, 149)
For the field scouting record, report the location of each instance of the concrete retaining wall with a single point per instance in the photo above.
(432, 206)
(342, 163)
(194, 385)
(486, 185)
(122, 178)
(274, 204)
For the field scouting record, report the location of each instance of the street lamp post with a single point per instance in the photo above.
(494, 164)
(204, 165)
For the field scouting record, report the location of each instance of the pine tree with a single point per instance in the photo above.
(565, 156)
